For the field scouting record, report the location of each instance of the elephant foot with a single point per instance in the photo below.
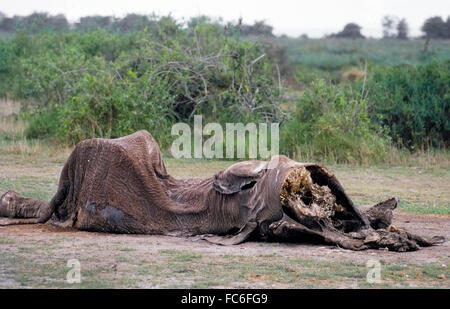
(13, 221)
(16, 209)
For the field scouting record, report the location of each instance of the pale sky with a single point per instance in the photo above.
(314, 17)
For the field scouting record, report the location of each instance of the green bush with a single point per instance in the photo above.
(104, 84)
(6, 67)
(331, 124)
(111, 82)
(413, 102)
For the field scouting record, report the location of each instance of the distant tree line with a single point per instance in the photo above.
(393, 27)
(43, 21)
(37, 22)
(34, 23)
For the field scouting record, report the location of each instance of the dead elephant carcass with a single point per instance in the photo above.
(122, 186)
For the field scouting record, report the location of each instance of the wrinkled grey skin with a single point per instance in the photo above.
(23, 210)
(239, 203)
(372, 233)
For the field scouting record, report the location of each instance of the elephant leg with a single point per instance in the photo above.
(13, 221)
(289, 230)
(236, 239)
(20, 210)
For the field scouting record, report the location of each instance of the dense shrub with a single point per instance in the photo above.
(149, 73)
(332, 124)
(105, 84)
(414, 103)
(6, 68)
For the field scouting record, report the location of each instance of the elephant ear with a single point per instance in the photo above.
(239, 176)
(242, 235)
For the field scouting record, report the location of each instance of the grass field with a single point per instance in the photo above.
(143, 262)
(331, 54)
(36, 256)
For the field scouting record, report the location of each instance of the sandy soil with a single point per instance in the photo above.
(426, 225)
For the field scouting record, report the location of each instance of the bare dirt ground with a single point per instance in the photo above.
(426, 225)
(37, 255)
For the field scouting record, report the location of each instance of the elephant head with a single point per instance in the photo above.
(285, 200)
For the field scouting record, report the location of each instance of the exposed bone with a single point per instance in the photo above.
(313, 208)
(307, 199)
